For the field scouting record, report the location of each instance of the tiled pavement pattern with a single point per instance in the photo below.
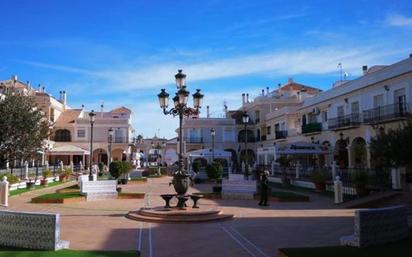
(255, 231)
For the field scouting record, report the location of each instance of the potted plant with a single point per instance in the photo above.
(65, 174)
(319, 177)
(214, 172)
(30, 183)
(10, 178)
(125, 168)
(360, 181)
(114, 169)
(45, 174)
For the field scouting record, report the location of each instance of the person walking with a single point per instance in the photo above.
(264, 188)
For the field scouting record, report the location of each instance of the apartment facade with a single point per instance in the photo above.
(69, 140)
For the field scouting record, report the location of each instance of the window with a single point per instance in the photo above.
(355, 107)
(257, 116)
(62, 135)
(81, 133)
(283, 126)
(378, 101)
(268, 128)
(324, 116)
(276, 127)
(341, 111)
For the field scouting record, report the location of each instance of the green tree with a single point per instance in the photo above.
(214, 170)
(393, 148)
(23, 128)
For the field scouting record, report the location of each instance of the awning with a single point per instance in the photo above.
(302, 148)
(208, 153)
(68, 150)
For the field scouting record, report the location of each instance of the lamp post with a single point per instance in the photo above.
(213, 133)
(180, 177)
(92, 117)
(110, 139)
(245, 119)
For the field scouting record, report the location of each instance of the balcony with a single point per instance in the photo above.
(386, 112)
(281, 134)
(120, 140)
(346, 121)
(312, 128)
(194, 140)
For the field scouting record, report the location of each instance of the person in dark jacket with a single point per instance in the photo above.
(264, 189)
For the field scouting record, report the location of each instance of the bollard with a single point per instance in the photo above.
(334, 169)
(26, 170)
(396, 178)
(337, 189)
(4, 192)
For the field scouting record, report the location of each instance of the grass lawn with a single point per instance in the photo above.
(24, 190)
(65, 253)
(398, 249)
(59, 195)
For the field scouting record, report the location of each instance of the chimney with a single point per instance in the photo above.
(82, 107)
(267, 90)
(14, 78)
(263, 92)
(225, 110)
(207, 112)
(279, 86)
(247, 98)
(64, 97)
(364, 69)
(43, 89)
(28, 85)
(101, 110)
(243, 99)
(410, 55)
(299, 96)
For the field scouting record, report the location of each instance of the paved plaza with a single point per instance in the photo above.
(255, 231)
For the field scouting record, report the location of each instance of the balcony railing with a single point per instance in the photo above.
(312, 127)
(120, 139)
(386, 112)
(280, 134)
(349, 120)
(194, 140)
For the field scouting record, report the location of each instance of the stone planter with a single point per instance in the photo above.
(43, 182)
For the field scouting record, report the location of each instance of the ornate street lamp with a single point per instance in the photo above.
(180, 177)
(213, 134)
(245, 120)
(92, 117)
(110, 139)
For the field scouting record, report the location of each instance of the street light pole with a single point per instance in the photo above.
(180, 177)
(245, 119)
(110, 139)
(92, 116)
(213, 133)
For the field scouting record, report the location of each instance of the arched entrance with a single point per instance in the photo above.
(341, 153)
(234, 157)
(242, 134)
(358, 152)
(250, 156)
(118, 155)
(99, 155)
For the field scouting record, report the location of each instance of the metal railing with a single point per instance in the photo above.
(280, 134)
(386, 112)
(194, 140)
(312, 127)
(353, 119)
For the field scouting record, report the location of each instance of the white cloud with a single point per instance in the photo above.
(398, 20)
(321, 60)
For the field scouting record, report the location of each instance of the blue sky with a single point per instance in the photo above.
(123, 52)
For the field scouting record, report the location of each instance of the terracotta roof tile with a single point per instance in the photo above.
(121, 110)
(68, 117)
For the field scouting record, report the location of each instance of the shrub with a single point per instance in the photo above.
(319, 176)
(101, 166)
(196, 166)
(360, 179)
(214, 170)
(125, 167)
(46, 173)
(115, 169)
(10, 178)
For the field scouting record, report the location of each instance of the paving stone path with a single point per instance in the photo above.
(255, 231)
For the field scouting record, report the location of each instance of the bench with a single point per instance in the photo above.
(238, 189)
(99, 190)
(31, 230)
(378, 226)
